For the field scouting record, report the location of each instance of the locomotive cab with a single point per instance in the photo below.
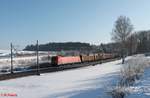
(54, 60)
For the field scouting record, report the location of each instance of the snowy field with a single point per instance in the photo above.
(142, 87)
(87, 82)
(22, 59)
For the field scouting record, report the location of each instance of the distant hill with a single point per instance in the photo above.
(60, 46)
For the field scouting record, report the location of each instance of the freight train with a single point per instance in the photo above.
(60, 60)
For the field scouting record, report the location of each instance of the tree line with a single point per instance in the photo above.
(54, 46)
(137, 42)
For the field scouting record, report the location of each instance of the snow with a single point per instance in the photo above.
(142, 88)
(4, 53)
(21, 62)
(25, 59)
(86, 82)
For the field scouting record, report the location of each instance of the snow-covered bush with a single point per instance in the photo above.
(132, 70)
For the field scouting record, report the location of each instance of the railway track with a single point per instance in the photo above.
(50, 68)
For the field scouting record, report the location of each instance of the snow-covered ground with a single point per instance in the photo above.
(86, 82)
(141, 89)
(4, 53)
(21, 61)
(22, 58)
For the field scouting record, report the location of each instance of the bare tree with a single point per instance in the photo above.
(121, 31)
(132, 43)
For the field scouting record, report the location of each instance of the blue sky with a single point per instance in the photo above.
(24, 21)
